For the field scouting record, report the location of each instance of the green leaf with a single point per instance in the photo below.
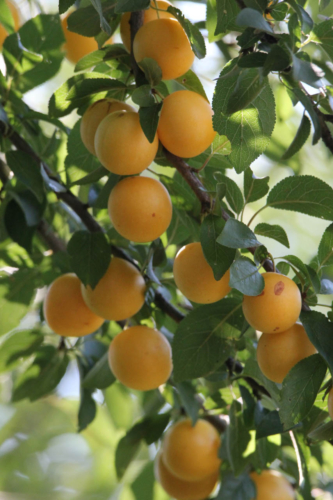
(320, 331)
(219, 257)
(189, 401)
(268, 425)
(94, 176)
(252, 370)
(325, 250)
(259, 5)
(205, 338)
(30, 206)
(86, 21)
(273, 231)
(279, 11)
(323, 4)
(16, 294)
(304, 193)
(100, 375)
(143, 96)
(308, 105)
(131, 5)
(190, 81)
(149, 118)
(249, 84)
(245, 278)
(252, 60)
(195, 37)
(43, 375)
(97, 4)
(16, 226)
(254, 188)
(152, 71)
(236, 488)
(306, 72)
(324, 34)
(253, 19)
(305, 457)
(300, 388)
(116, 51)
(6, 18)
(79, 161)
(237, 438)
(277, 60)
(90, 256)
(233, 193)
(248, 130)
(64, 5)
(90, 86)
(17, 345)
(87, 410)
(102, 199)
(236, 234)
(227, 12)
(27, 172)
(303, 16)
(299, 140)
(149, 429)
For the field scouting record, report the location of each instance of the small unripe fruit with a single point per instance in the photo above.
(194, 277)
(271, 485)
(165, 41)
(278, 354)
(148, 15)
(183, 490)
(3, 32)
(185, 127)
(330, 403)
(140, 358)
(76, 46)
(119, 294)
(93, 117)
(121, 145)
(191, 453)
(140, 209)
(278, 306)
(65, 311)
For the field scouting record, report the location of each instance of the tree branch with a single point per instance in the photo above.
(325, 131)
(50, 238)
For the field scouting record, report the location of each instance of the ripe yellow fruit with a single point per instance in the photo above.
(278, 306)
(165, 41)
(76, 46)
(330, 403)
(3, 32)
(140, 358)
(185, 127)
(119, 294)
(277, 354)
(183, 490)
(194, 276)
(93, 117)
(121, 145)
(149, 15)
(191, 453)
(271, 485)
(140, 209)
(65, 311)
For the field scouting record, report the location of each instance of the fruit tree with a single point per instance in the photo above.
(166, 249)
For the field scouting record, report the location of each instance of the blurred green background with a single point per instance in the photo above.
(41, 453)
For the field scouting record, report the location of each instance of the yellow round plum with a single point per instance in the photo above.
(140, 358)
(65, 311)
(271, 485)
(185, 127)
(278, 306)
(93, 117)
(15, 14)
(165, 41)
(121, 145)
(194, 277)
(149, 15)
(183, 490)
(119, 294)
(140, 209)
(278, 354)
(191, 452)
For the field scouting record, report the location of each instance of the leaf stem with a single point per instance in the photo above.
(255, 215)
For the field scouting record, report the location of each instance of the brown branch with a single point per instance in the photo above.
(50, 238)
(325, 131)
(327, 118)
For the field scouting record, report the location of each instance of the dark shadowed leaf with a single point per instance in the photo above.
(320, 331)
(236, 234)
(219, 257)
(245, 277)
(299, 140)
